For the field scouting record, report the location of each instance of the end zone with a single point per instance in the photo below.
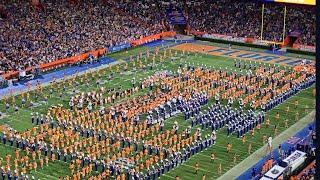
(239, 54)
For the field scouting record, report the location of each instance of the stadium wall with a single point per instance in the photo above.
(120, 47)
(59, 63)
(151, 38)
(232, 42)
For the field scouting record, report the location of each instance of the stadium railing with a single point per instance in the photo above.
(59, 63)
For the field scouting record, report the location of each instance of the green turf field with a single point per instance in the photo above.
(21, 121)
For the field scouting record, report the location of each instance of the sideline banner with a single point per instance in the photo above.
(304, 47)
(219, 36)
(197, 33)
(295, 159)
(59, 63)
(248, 40)
(225, 37)
(144, 40)
(117, 48)
(175, 16)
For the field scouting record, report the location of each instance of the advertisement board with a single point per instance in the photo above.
(117, 48)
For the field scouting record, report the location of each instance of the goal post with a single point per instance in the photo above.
(262, 25)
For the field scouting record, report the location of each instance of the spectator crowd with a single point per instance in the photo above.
(58, 29)
(243, 19)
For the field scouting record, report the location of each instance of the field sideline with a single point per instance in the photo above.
(22, 120)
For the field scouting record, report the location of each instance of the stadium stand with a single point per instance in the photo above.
(31, 35)
(243, 18)
(214, 18)
(55, 33)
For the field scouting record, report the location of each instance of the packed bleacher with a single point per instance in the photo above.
(243, 18)
(214, 18)
(147, 10)
(239, 18)
(304, 20)
(59, 29)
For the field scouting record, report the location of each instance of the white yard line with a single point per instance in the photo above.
(200, 154)
(193, 168)
(166, 175)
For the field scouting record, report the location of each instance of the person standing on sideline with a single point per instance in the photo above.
(196, 167)
(212, 157)
(269, 144)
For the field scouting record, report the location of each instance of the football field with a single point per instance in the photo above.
(120, 77)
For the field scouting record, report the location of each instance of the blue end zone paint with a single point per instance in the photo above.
(57, 74)
(294, 62)
(218, 50)
(230, 52)
(250, 55)
(285, 146)
(227, 52)
(281, 53)
(267, 58)
(283, 60)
